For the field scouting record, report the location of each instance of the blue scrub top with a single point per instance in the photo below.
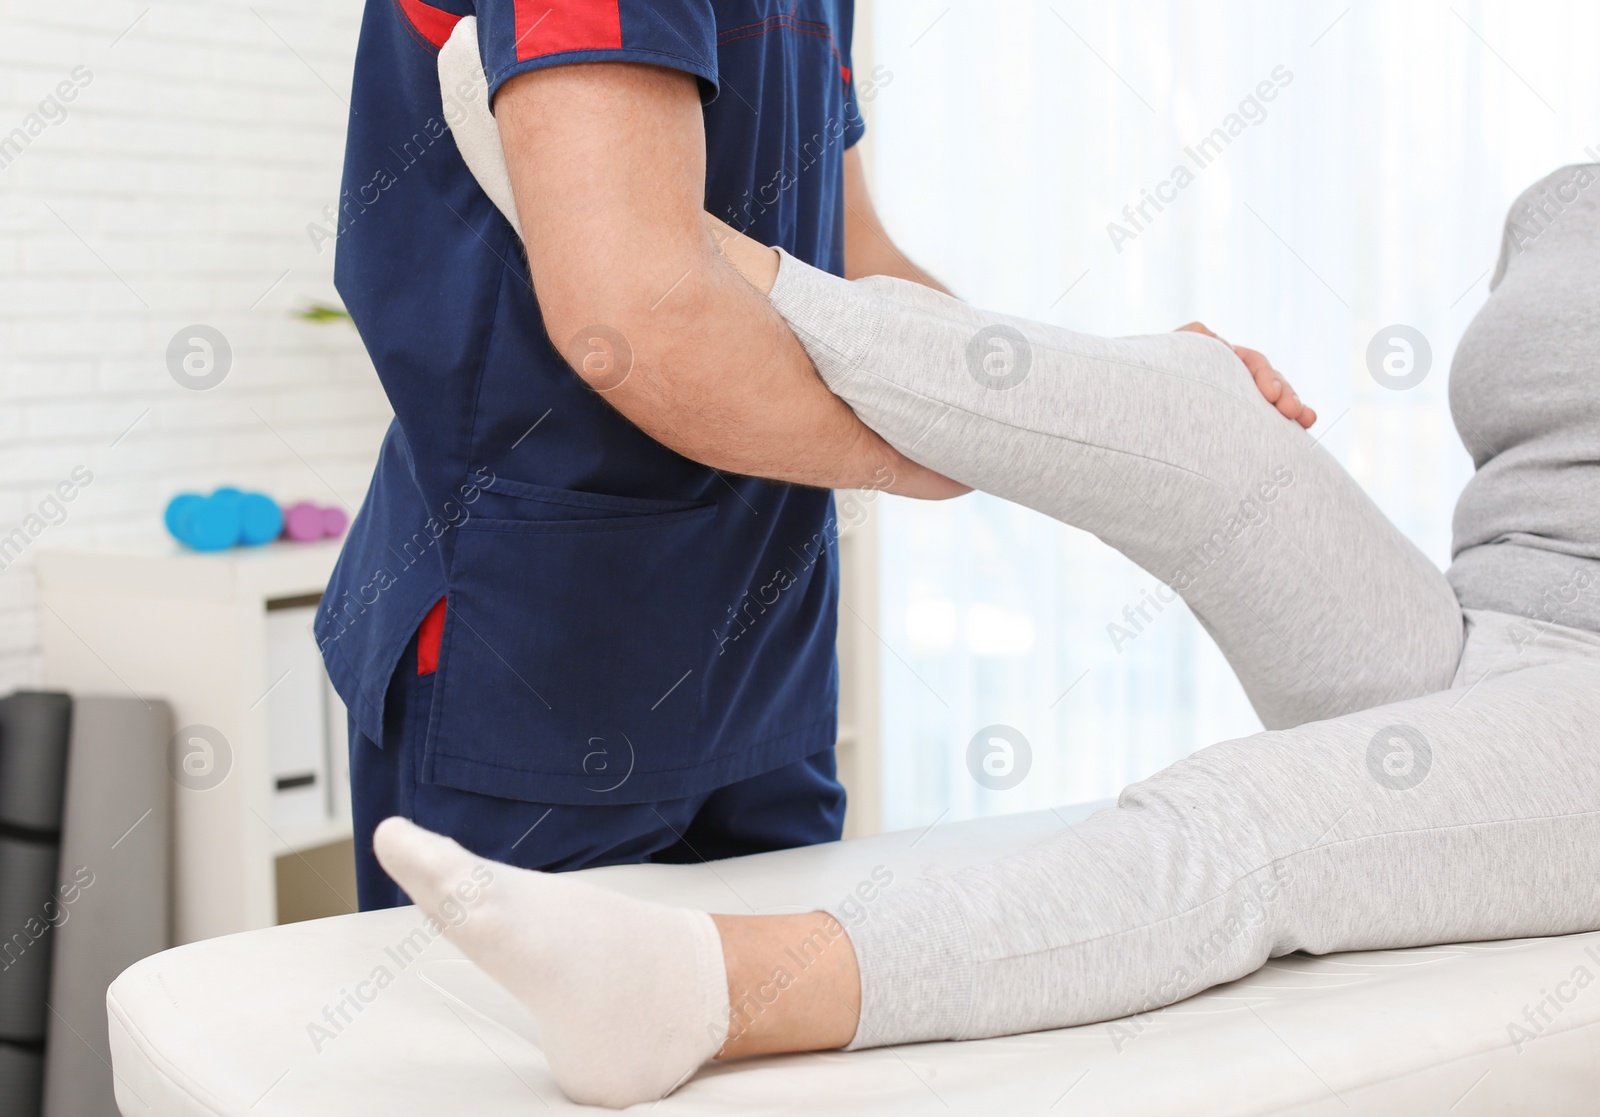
(621, 623)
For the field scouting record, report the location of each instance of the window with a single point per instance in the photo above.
(1348, 168)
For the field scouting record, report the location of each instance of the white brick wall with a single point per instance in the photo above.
(182, 178)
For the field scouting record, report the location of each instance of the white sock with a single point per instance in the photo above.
(631, 996)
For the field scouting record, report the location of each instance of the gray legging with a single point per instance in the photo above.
(1430, 776)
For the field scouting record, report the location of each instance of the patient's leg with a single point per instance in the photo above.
(1164, 448)
(1466, 815)
(1469, 814)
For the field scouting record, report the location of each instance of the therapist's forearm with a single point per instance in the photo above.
(868, 247)
(869, 251)
(715, 374)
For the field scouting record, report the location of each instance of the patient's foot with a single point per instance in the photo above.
(631, 997)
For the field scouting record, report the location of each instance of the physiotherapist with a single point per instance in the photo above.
(570, 625)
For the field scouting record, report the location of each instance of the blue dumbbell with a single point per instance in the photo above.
(178, 509)
(260, 519)
(226, 518)
(204, 523)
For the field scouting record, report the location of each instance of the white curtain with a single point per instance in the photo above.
(1358, 165)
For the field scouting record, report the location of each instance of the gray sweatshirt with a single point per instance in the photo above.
(1525, 392)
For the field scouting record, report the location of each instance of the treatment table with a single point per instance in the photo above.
(349, 1016)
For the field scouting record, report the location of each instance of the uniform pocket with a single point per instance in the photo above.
(574, 649)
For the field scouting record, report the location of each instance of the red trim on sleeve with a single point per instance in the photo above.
(429, 636)
(433, 24)
(552, 26)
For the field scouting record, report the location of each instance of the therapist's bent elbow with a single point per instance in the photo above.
(622, 334)
(609, 350)
(592, 330)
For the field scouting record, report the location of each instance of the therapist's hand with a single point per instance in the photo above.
(1269, 380)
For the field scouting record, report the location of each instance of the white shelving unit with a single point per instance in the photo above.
(160, 621)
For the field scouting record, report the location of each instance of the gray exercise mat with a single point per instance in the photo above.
(21, 1073)
(115, 869)
(27, 888)
(33, 764)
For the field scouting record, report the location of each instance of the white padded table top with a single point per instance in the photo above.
(340, 1016)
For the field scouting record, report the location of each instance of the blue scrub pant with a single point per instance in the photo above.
(801, 804)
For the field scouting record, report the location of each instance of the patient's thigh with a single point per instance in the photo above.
(1467, 814)
(1163, 447)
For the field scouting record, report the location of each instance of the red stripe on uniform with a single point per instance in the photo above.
(429, 637)
(552, 26)
(433, 24)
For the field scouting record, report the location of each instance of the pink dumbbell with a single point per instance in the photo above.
(334, 521)
(305, 522)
